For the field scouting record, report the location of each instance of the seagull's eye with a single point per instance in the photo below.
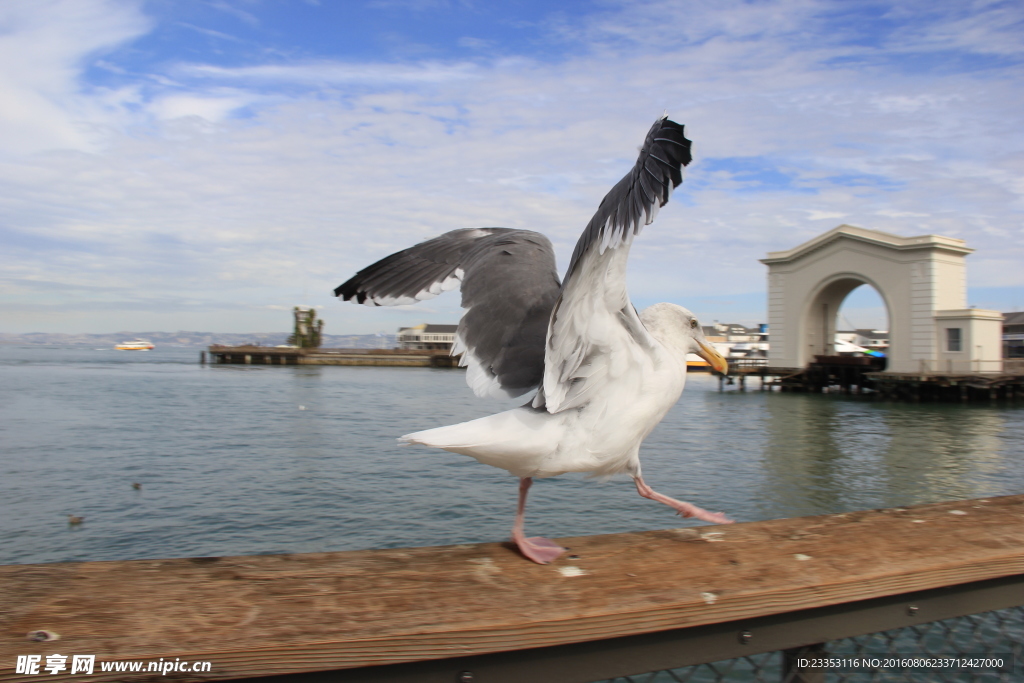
(693, 323)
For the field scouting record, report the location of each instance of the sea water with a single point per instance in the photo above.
(235, 460)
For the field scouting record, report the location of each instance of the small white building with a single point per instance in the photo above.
(424, 336)
(970, 340)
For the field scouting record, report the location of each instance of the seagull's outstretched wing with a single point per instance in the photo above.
(595, 335)
(509, 285)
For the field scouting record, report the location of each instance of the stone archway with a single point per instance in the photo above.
(922, 280)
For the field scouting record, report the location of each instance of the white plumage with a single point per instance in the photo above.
(598, 417)
(605, 376)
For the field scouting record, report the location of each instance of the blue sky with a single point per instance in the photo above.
(198, 165)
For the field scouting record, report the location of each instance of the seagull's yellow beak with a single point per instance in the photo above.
(713, 357)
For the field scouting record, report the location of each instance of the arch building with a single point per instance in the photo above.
(922, 281)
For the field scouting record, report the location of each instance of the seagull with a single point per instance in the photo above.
(604, 374)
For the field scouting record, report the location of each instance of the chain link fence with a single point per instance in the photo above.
(995, 636)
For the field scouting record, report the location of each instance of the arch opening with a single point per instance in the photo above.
(864, 308)
(862, 319)
(829, 310)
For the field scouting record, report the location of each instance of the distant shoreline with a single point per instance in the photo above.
(190, 339)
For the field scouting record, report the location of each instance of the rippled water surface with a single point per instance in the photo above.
(244, 460)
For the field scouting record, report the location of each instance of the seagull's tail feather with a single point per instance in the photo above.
(516, 440)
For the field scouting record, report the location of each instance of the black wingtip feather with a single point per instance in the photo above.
(629, 205)
(349, 289)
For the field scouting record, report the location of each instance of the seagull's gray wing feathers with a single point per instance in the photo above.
(509, 285)
(595, 335)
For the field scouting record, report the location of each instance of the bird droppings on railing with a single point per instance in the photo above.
(485, 567)
(571, 571)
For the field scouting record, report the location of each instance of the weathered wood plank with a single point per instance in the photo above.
(260, 615)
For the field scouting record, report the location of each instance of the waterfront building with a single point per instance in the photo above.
(921, 280)
(737, 341)
(426, 336)
(1013, 335)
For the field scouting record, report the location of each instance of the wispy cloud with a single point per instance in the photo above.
(209, 32)
(325, 73)
(43, 47)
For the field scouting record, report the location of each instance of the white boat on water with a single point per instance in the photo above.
(135, 345)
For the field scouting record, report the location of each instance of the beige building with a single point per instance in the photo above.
(921, 280)
(967, 338)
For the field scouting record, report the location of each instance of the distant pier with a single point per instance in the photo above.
(861, 375)
(963, 387)
(269, 355)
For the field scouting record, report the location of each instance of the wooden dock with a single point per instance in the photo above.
(739, 369)
(847, 374)
(853, 375)
(613, 605)
(963, 387)
(273, 355)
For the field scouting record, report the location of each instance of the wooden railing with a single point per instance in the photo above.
(964, 367)
(613, 605)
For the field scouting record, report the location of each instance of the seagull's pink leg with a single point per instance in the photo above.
(684, 509)
(540, 550)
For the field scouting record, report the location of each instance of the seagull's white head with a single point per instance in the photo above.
(678, 329)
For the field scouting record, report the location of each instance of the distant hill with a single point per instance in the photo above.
(195, 339)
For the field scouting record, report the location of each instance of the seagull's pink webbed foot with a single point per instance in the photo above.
(683, 508)
(540, 550)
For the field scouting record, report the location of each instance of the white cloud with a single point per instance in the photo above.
(43, 47)
(982, 26)
(888, 213)
(210, 108)
(817, 215)
(191, 206)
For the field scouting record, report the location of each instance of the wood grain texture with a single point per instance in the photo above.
(267, 614)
